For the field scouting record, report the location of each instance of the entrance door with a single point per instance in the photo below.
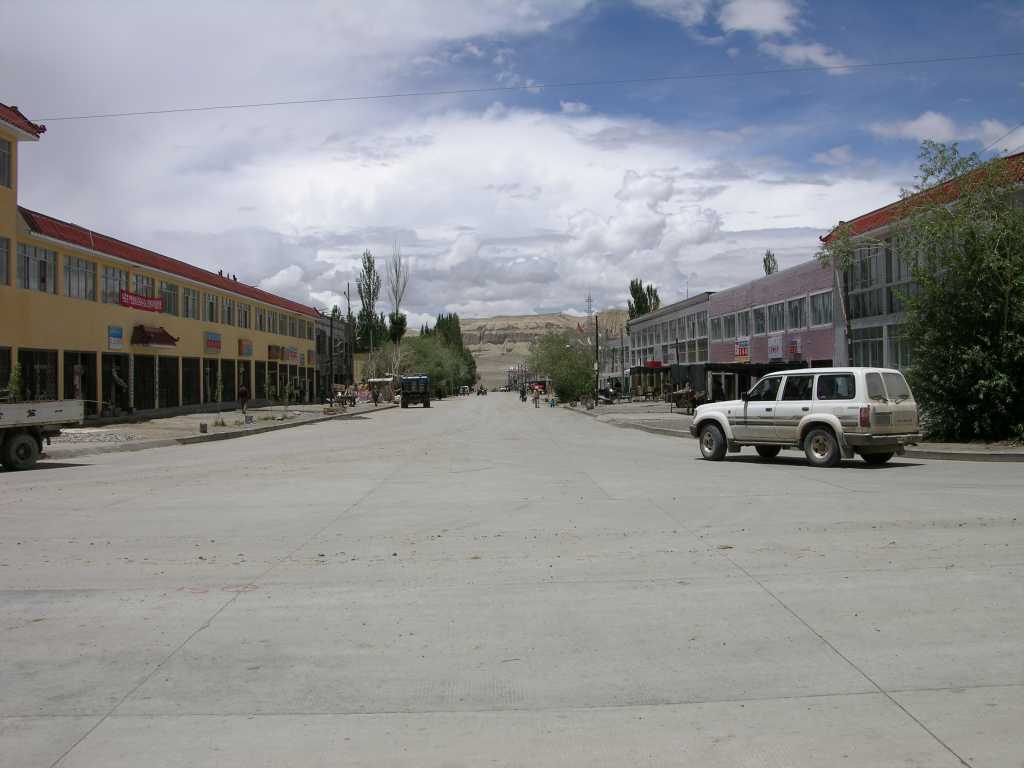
(80, 379)
(114, 380)
(145, 382)
(756, 419)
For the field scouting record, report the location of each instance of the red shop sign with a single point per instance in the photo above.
(145, 303)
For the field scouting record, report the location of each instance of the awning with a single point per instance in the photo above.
(152, 336)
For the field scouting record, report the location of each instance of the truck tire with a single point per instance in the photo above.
(20, 451)
(821, 447)
(768, 451)
(877, 459)
(405, 403)
(426, 403)
(712, 442)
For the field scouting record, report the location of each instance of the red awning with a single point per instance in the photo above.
(151, 336)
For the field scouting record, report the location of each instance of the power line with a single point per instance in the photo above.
(1008, 133)
(537, 87)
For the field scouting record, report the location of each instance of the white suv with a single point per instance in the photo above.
(830, 413)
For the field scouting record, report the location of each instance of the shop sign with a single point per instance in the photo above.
(794, 347)
(244, 348)
(145, 303)
(211, 343)
(291, 355)
(115, 337)
(774, 347)
(652, 364)
(741, 351)
(273, 352)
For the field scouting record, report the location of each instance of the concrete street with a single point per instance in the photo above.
(485, 583)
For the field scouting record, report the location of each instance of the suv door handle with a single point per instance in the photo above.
(805, 408)
(767, 410)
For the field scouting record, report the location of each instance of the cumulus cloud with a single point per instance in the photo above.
(574, 107)
(686, 12)
(814, 54)
(762, 17)
(842, 155)
(937, 126)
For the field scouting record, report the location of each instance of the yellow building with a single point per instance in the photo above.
(129, 330)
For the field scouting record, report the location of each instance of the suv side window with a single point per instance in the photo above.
(766, 389)
(836, 386)
(798, 388)
(875, 389)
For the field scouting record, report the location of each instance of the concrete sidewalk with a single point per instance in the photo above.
(185, 429)
(661, 419)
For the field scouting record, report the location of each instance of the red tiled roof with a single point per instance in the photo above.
(41, 224)
(12, 116)
(950, 190)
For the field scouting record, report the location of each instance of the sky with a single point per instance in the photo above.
(505, 202)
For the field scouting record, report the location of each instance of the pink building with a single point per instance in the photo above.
(783, 320)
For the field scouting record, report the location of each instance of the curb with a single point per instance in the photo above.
(143, 445)
(910, 453)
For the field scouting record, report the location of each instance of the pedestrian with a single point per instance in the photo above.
(536, 398)
(376, 395)
(243, 396)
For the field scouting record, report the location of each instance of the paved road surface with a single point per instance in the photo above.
(483, 583)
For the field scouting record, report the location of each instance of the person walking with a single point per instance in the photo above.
(536, 398)
(243, 396)
(376, 395)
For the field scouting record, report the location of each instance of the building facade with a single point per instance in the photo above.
(87, 316)
(669, 346)
(782, 320)
(336, 362)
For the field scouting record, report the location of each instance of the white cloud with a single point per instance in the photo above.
(574, 107)
(939, 127)
(814, 54)
(836, 156)
(686, 12)
(762, 17)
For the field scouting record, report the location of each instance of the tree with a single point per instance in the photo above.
(14, 383)
(961, 233)
(397, 273)
(644, 298)
(568, 363)
(368, 286)
(771, 265)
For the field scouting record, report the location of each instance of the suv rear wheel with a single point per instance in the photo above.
(768, 451)
(712, 442)
(821, 447)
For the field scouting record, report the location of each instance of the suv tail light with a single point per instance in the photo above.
(865, 415)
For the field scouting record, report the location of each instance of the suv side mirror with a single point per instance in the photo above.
(746, 397)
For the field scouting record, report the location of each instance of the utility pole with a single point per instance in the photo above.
(350, 341)
(330, 351)
(597, 360)
(622, 359)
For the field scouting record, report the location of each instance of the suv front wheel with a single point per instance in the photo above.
(821, 447)
(712, 442)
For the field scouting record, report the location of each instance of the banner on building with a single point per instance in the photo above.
(273, 352)
(115, 337)
(741, 351)
(211, 343)
(774, 347)
(291, 355)
(145, 303)
(244, 348)
(794, 347)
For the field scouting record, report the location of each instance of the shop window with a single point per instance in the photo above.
(797, 310)
(821, 308)
(5, 261)
(760, 322)
(777, 317)
(79, 278)
(900, 355)
(80, 379)
(743, 324)
(169, 294)
(114, 281)
(143, 285)
(211, 380)
(37, 269)
(190, 376)
(244, 310)
(38, 374)
(227, 374)
(716, 329)
(114, 383)
(261, 380)
(190, 303)
(5, 370)
(244, 377)
(144, 380)
(261, 319)
(227, 308)
(866, 347)
(168, 369)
